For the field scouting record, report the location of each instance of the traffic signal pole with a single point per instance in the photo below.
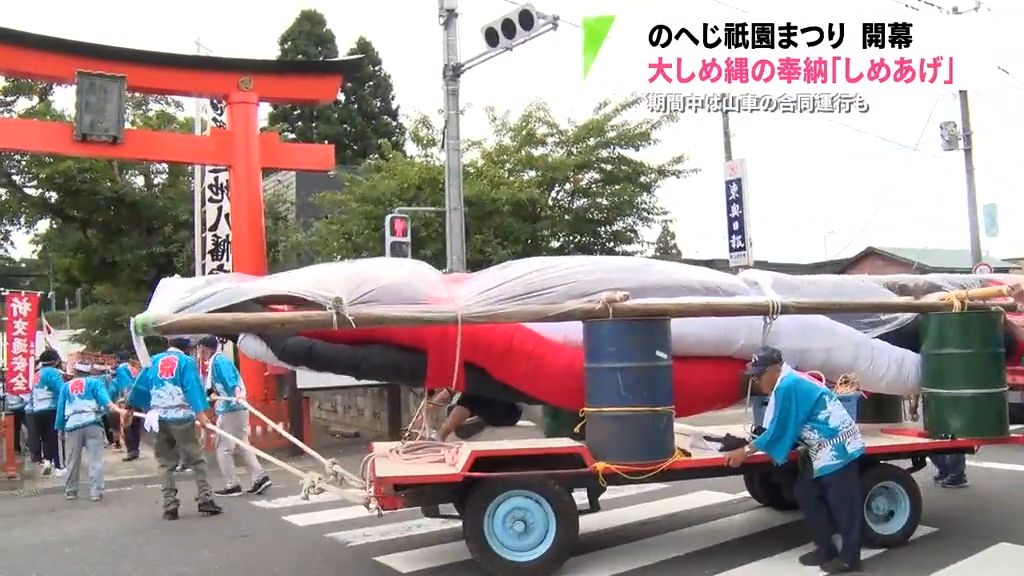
(455, 220)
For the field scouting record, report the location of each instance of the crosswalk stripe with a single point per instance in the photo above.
(352, 512)
(1002, 559)
(452, 552)
(419, 526)
(329, 515)
(787, 563)
(296, 500)
(626, 557)
(996, 465)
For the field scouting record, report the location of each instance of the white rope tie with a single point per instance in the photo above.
(338, 307)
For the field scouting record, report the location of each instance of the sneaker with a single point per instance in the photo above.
(60, 472)
(210, 508)
(817, 557)
(96, 498)
(837, 566)
(130, 457)
(955, 482)
(235, 490)
(171, 514)
(47, 468)
(181, 468)
(471, 427)
(260, 486)
(71, 496)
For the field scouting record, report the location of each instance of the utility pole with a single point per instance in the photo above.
(509, 32)
(455, 221)
(726, 133)
(972, 195)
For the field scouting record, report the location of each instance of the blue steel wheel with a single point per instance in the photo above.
(514, 527)
(891, 505)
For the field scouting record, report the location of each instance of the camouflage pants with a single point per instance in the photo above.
(179, 440)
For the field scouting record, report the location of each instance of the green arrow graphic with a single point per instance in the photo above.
(595, 30)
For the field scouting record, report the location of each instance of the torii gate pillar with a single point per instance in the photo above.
(249, 243)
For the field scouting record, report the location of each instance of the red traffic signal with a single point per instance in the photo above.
(397, 236)
(398, 226)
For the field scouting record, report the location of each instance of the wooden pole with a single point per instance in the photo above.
(615, 305)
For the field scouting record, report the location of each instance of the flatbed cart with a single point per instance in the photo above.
(519, 516)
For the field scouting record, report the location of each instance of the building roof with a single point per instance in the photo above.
(934, 259)
(825, 267)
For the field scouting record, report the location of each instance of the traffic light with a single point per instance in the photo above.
(950, 134)
(517, 25)
(398, 236)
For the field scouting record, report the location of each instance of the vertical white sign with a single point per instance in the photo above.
(737, 215)
(216, 204)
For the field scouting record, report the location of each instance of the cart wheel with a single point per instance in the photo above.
(520, 526)
(892, 505)
(769, 491)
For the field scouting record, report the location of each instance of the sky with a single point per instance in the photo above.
(821, 185)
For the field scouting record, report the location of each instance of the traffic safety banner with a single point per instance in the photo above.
(22, 323)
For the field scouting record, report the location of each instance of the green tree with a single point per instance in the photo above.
(537, 187)
(666, 247)
(363, 118)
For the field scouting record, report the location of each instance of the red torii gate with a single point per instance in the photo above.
(241, 83)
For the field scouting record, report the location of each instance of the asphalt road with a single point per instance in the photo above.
(692, 528)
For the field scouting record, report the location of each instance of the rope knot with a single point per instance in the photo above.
(338, 307)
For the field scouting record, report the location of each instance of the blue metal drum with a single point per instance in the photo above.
(628, 366)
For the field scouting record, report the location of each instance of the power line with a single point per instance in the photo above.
(885, 201)
(731, 6)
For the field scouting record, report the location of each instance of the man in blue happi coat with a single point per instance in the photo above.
(172, 395)
(82, 404)
(45, 392)
(232, 417)
(801, 410)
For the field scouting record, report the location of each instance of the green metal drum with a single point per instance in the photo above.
(880, 409)
(963, 375)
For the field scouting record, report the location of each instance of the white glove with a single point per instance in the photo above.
(152, 421)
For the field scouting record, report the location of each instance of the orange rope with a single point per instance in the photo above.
(625, 470)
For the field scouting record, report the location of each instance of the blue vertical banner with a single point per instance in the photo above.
(737, 215)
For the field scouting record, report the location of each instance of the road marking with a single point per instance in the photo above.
(296, 500)
(126, 488)
(1003, 559)
(329, 515)
(787, 563)
(525, 424)
(641, 553)
(996, 465)
(452, 552)
(360, 536)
